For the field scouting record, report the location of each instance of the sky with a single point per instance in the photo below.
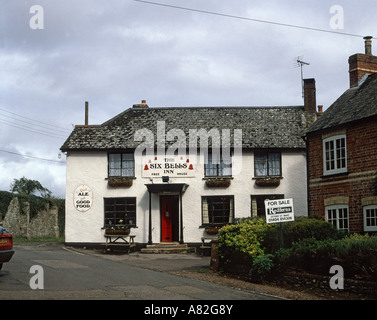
(114, 54)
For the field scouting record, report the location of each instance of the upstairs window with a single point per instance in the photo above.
(334, 155)
(267, 164)
(121, 165)
(217, 166)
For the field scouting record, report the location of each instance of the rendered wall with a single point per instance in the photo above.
(91, 169)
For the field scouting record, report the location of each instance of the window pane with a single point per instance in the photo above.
(260, 163)
(225, 169)
(210, 168)
(128, 164)
(114, 165)
(341, 153)
(274, 164)
(331, 216)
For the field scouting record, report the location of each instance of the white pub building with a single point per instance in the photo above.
(169, 174)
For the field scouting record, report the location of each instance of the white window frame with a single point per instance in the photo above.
(338, 219)
(372, 216)
(336, 158)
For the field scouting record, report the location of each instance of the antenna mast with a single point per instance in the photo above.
(300, 63)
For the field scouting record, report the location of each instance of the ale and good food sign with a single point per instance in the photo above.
(83, 198)
(172, 166)
(279, 210)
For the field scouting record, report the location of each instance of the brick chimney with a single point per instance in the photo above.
(143, 104)
(361, 64)
(310, 104)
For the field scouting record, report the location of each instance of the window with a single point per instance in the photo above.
(370, 218)
(216, 167)
(334, 155)
(121, 165)
(120, 211)
(217, 210)
(338, 216)
(267, 164)
(257, 203)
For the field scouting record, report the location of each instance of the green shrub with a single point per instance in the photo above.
(357, 254)
(261, 268)
(240, 243)
(301, 228)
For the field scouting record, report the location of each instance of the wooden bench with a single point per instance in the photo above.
(120, 241)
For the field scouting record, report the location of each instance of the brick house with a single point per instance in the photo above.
(342, 152)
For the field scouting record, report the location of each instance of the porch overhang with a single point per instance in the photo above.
(167, 187)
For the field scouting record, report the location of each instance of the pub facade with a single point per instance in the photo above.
(172, 174)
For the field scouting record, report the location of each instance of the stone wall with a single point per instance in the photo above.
(17, 221)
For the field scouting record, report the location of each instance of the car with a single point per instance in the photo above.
(6, 246)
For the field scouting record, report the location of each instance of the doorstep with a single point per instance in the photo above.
(168, 247)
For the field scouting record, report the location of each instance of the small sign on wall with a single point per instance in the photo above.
(83, 198)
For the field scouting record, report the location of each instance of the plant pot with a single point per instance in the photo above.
(117, 232)
(212, 231)
(120, 183)
(267, 182)
(213, 183)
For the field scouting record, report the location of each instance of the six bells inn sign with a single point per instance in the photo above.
(172, 166)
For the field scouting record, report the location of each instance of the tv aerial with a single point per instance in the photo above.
(300, 63)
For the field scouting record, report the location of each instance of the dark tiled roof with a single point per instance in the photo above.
(355, 104)
(262, 127)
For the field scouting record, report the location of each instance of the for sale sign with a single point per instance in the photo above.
(279, 210)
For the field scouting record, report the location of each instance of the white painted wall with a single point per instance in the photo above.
(90, 168)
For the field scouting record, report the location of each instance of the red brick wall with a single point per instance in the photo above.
(361, 157)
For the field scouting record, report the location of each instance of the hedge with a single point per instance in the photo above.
(251, 244)
(301, 228)
(356, 253)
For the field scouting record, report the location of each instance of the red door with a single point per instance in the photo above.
(166, 219)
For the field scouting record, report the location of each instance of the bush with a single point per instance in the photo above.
(240, 243)
(261, 268)
(301, 228)
(253, 247)
(357, 254)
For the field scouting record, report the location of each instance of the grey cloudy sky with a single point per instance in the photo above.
(116, 53)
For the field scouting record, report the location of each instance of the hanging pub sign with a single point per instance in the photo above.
(280, 210)
(83, 198)
(172, 166)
